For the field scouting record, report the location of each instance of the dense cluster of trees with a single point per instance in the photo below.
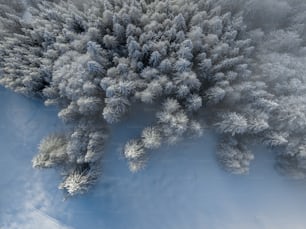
(197, 59)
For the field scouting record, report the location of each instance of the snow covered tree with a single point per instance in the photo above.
(195, 59)
(234, 156)
(233, 124)
(133, 149)
(79, 180)
(94, 60)
(51, 152)
(151, 138)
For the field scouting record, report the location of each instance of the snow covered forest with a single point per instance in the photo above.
(233, 66)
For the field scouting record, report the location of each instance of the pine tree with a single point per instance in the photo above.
(194, 59)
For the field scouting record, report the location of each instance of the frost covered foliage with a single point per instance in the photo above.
(281, 70)
(195, 59)
(96, 60)
(270, 105)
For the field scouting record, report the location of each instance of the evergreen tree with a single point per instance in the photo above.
(198, 60)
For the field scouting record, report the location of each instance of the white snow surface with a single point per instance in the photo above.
(182, 186)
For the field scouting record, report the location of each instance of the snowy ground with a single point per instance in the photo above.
(182, 187)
